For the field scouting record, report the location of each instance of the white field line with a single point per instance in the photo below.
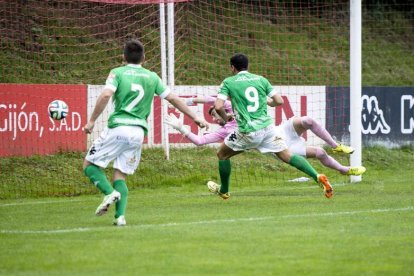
(291, 187)
(204, 222)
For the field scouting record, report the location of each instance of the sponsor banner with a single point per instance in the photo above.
(387, 115)
(25, 126)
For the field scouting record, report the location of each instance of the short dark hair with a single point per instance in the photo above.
(134, 51)
(240, 62)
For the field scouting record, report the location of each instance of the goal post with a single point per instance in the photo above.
(355, 84)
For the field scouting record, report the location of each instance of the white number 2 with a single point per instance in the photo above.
(253, 97)
(140, 90)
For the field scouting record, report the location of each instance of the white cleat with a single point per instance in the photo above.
(107, 202)
(120, 221)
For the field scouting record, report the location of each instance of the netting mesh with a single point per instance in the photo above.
(72, 41)
(301, 46)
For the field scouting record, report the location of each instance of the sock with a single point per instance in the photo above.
(315, 127)
(330, 162)
(120, 205)
(225, 171)
(303, 165)
(98, 178)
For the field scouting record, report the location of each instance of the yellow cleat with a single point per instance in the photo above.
(215, 189)
(342, 148)
(358, 170)
(324, 183)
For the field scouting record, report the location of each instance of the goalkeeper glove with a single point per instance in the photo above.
(176, 123)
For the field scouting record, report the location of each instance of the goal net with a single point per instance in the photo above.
(64, 49)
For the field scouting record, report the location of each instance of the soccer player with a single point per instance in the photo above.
(255, 128)
(290, 130)
(133, 88)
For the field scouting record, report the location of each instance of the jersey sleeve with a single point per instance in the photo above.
(160, 88)
(268, 88)
(223, 92)
(112, 81)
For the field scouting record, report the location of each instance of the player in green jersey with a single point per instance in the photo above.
(132, 88)
(248, 94)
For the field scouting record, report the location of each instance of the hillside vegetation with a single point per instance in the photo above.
(51, 42)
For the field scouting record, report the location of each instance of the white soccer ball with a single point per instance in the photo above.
(58, 109)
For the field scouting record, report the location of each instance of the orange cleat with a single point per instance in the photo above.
(324, 183)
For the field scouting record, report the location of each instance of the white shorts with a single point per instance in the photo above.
(295, 143)
(265, 140)
(122, 145)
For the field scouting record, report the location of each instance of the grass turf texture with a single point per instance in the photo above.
(263, 229)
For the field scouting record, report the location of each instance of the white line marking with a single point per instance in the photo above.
(203, 222)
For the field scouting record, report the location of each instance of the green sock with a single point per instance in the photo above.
(120, 205)
(98, 178)
(303, 165)
(225, 171)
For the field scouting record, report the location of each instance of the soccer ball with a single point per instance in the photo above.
(58, 110)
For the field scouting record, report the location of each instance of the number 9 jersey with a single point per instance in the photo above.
(248, 93)
(134, 88)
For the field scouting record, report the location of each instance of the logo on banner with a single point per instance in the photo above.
(407, 114)
(373, 117)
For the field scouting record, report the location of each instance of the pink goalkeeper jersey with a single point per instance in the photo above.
(219, 134)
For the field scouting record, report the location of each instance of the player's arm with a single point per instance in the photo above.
(219, 107)
(275, 100)
(181, 105)
(201, 100)
(100, 105)
(209, 138)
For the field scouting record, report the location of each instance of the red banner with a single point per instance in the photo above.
(27, 129)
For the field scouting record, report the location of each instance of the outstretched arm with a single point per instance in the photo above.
(101, 103)
(214, 137)
(181, 105)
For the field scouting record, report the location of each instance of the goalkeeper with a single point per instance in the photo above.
(291, 131)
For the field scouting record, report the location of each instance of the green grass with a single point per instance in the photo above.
(269, 226)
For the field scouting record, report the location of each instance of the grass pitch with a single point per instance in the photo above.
(279, 229)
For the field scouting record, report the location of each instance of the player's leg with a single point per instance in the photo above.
(233, 144)
(274, 143)
(325, 159)
(304, 123)
(97, 158)
(300, 163)
(126, 164)
(330, 162)
(97, 177)
(120, 206)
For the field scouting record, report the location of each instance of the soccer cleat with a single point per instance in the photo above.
(324, 183)
(120, 221)
(342, 148)
(107, 202)
(358, 170)
(215, 189)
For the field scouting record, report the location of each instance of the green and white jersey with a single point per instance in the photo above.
(134, 88)
(248, 93)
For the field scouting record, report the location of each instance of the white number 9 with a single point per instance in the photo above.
(253, 97)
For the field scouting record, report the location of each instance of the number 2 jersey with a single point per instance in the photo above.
(134, 88)
(248, 93)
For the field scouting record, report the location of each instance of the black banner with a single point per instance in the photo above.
(387, 115)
